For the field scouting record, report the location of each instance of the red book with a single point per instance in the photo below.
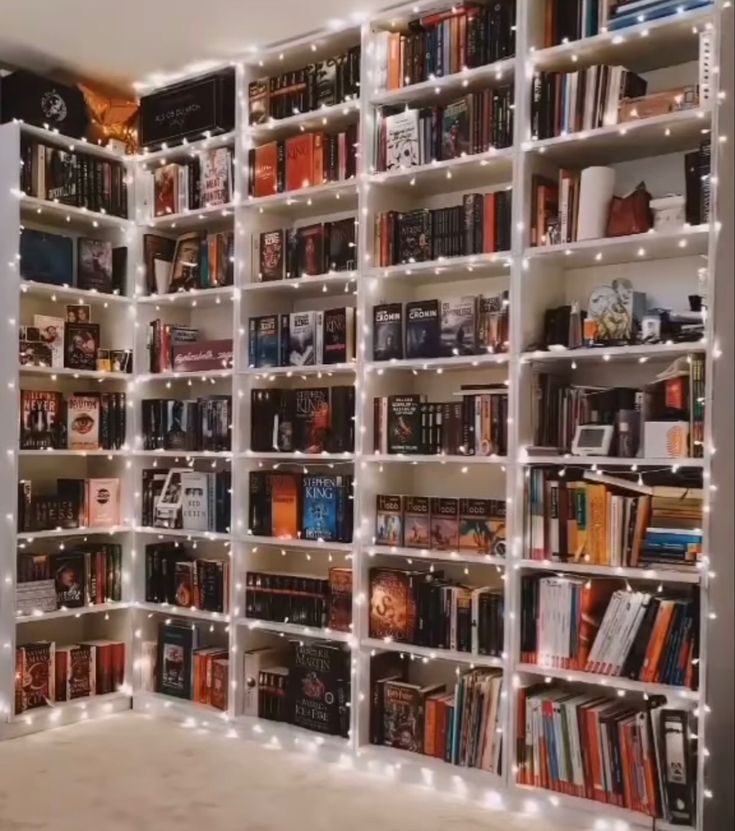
(266, 169)
(118, 664)
(318, 166)
(299, 161)
(490, 243)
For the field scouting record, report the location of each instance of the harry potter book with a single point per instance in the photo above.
(403, 707)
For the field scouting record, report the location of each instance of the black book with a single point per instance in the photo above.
(388, 332)
(341, 249)
(176, 643)
(404, 424)
(693, 188)
(318, 687)
(81, 342)
(264, 411)
(259, 507)
(311, 419)
(422, 329)
(70, 578)
(705, 170)
(414, 236)
(341, 437)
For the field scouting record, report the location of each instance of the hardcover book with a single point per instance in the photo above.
(83, 422)
(165, 185)
(75, 672)
(272, 256)
(402, 140)
(417, 522)
(339, 335)
(185, 269)
(482, 526)
(388, 332)
(310, 252)
(202, 355)
(103, 503)
(422, 329)
(51, 332)
(46, 258)
(311, 419)
(40, 419)
(70, 578)
(388, 520)
(156, 247)
(455, 140)
(81, 342)
(321, 520)
(265, 172)
(195, 501)
(318, 687)
(216, 181)
(265, 342)
(176, 643)
(61, 176)
(340, 599)
(459, 326)
(341, 245)
(392, 604)
(414, 236)
(285, 506)
(300, 162)
(404, 424)
(94, 265)
(403, 706)
(444, 524)
(34, 676)
(302, 339)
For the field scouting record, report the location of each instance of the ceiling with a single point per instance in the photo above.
(127, 41)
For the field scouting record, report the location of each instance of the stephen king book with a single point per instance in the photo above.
(94, 265)
(414, 236)
(302, 339)
(392, 604)
(81, 342)
(300, 161)
(388, 332)
(459, 326)
(404, 423)
(341, 248)
(417, 522)
(272, 256)
(40, 419)
(339, 335)
(310, 250)
(444, 524)
(388, 520)
(340, 599)
(264, 341)
(422, 329)
(70, 579)
(320, 508)
(482, 526)
(83, 422)
(318, 687)
(265, 169)
(311, 419)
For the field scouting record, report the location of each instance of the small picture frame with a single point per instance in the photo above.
(103, 360)
(78, 313)
(121, 360)
(592, 440)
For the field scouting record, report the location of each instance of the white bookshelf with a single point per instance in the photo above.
(666, 266)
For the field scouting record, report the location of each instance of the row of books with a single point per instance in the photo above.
(305, 338)
(303, 161)
(71, 342)
(307, 685)
(73, 178)
(480, 225)
(303, 420)
(85, 575)
(293, 506)
(568, 102)
(445, 42)
(474, 425)
(469, 325)
(50, 258)
(459, 725)
(184, 669)
(306, 251)
(321, 84)
(174, 575)
(612, 521)
(77, 503)
(188, 499)
(301, 599)
(473, 124)
(622, 15)
(204, 181)
(84, 421)
(192, 261)
(46, 673)
(441, 523)
(429, 609)
(200, 424)
(177, 347)
(596, 626)
(636, 756)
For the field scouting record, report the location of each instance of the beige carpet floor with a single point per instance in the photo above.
(130, 772)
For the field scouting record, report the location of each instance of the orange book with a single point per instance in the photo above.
(430, 718)
(597, 523)
(317, 176)
(641, 524)
(461, 52)
(550, 27)
(394, 61)
(285, 494)
(490, 242)
(266, 169)
(594, 750)
(595, 597)
(299, 161)
(657, 641)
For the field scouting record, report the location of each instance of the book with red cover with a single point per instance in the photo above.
(285, 507)
(220, 682)
(392, 604)
(202, 355)
(266, 169)
(34, 676)
(340, 599)
(300, 153)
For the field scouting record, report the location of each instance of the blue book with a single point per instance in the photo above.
(46, 258)
(665, 10)
(265, 341)
(320, 515)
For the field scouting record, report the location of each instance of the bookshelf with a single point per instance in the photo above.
(666, 266)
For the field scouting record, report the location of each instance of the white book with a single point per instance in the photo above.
(626, 642)
(402, 140)
(597, 646)
(319, 331)
(564, 207)
(194, 501)
(706, 58)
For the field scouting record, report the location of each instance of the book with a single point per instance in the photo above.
(156, 247)
(402, 140)
(103, 503)
(340, 599)
(310, 251)
(414, 236)
(302, 339)
(339, 335)
(388, 332)
(482, 526)
(341, 245)
(40, 419)
(285, 506)
(46, 258)
(195, 501)
(70, 580)
(320, 507)
(417, 522)
(300, 162)
(166, 184)
(311, 419)
(185, 268)
(83, 422)
(422, 329)
(403, 708)
(34, 676)
(388, 520)
(176, 643)
(51, 332)
(455, 139)
(81, 343)
(318, 687)
(404, 424)
(264, 341)
(216, 177)
(392, 604)
(75, 675)
(444, 523)
(94, 265)
(459, 326)
(271, 256)
(264, 176)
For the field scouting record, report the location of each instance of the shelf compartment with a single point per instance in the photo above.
(329, 283)
(691, 240)
(460, 268)
(73, 145)
(334, 117)
(318, 370)
(32, 288)
(170, 610)
(646, 137)
(298, 544)
(426, 92)
(193, 297)
(429, 554)
(296, 630)
(378, 645)
(455, 362)
(642, 352)
(660, 573)
(70, 215)
(194, 218)
(613, 682)
(60, 614)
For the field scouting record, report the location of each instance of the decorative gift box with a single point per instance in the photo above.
(41, 101)
(669, 213)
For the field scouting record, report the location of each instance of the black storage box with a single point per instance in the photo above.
(40, 101)
(188, 109)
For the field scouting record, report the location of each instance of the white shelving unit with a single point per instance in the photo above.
(666, 266)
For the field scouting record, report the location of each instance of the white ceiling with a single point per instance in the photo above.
(124, 41)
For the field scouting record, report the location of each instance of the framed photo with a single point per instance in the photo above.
(81, 342)
(185, 270)
(121, 360)
(103, 360)
(78, 313)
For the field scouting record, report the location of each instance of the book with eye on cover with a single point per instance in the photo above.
(83, 422)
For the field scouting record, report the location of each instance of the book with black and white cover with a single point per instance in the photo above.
(422, 329)
(302, 339)
(195, 501)
(216, 177)
(414, 236)
(459, 326)
(51, 333)
(271, 256)
(402, 140)
(388, 332)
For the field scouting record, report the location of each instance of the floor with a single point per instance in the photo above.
(131, 772)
